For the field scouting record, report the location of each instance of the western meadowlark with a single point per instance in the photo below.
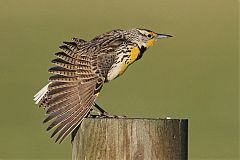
(82, 67)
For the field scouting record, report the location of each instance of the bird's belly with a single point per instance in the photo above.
(116, 71)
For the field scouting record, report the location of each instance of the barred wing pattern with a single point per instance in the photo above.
(71, 91)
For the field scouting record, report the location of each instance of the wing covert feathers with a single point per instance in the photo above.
(70, 94)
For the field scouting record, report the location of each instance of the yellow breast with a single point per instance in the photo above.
(132, 58)
(133, 55)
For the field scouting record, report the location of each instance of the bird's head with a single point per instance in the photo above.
(144, 38)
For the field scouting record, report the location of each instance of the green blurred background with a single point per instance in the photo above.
(193, 75)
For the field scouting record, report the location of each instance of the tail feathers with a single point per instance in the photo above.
(38, 97)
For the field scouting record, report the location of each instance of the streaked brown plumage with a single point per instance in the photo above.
(80, 70)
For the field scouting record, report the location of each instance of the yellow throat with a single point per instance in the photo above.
(134, 54)
(150, 43)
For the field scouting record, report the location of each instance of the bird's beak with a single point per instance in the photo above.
(160, 36)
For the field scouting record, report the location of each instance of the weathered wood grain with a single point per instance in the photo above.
(131, 139)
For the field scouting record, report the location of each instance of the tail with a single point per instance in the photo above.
(38, 97)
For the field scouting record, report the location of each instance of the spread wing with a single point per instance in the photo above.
(71, 92)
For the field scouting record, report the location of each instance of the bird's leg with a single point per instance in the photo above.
(94, 113)
(103, 113)
(101, 110)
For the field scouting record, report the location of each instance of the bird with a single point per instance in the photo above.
(80, 70)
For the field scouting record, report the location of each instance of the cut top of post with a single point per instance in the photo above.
(131, 139)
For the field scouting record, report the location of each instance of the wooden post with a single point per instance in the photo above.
(131, 139)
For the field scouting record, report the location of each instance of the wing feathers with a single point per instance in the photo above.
(62, 98)
(61, 63)
(63, 117)
(63, 71)
(60, 78)
(70, 94)
(71, 126)
(77, 118)
(74, 111)
(69, 50)
(40, 95)
(72, 46)
(57, 106)
(66, 57)
(78, 41)
(64, 122)
(61, 110)
(63, 90)
(57, 85)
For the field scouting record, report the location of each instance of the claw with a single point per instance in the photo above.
(107, 115)
(103, 114)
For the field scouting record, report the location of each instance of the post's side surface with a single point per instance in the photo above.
(184, 139)
(131, 139)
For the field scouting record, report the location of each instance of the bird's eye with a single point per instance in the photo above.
(149, 36)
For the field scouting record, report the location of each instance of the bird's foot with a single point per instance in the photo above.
(101, 113)
(94, 114)
(107, 115)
